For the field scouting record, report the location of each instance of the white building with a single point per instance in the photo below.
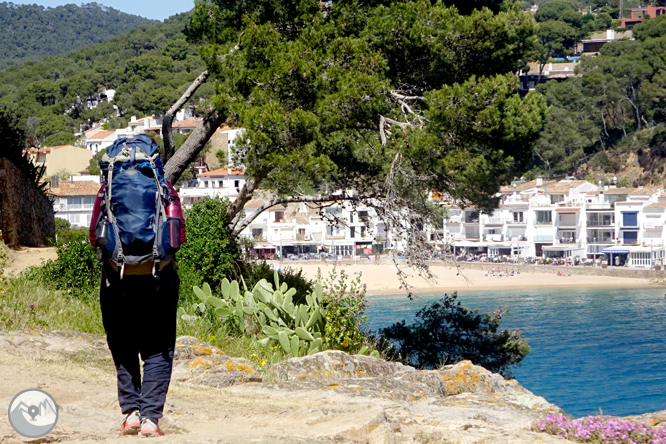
(74, 201)
(223, 182)
(568, 219)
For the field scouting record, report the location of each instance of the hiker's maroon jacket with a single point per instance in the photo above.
(97, 209)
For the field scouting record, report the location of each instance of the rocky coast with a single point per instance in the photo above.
(329, 397)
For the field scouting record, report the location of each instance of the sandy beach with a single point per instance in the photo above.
(382, 278)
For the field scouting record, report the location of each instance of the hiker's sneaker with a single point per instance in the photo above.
(149, 428)
(131, 423)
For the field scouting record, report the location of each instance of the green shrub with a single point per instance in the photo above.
(446, 332)
(254, 272)
(65, 233)
(76, 268)
(211, 251)
(344, 304)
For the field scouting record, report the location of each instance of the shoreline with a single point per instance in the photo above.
(381, 278)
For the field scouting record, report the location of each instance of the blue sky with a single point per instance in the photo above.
(152, 9)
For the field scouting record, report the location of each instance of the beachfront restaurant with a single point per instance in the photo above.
(564, 251)
(634, 256)
(469, 247)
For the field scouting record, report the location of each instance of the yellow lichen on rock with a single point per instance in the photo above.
(201, 362)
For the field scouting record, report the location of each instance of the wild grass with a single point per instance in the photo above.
(29, 304)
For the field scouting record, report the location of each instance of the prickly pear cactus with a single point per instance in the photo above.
(297, 328)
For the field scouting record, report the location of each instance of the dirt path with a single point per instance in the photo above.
(25, 257)
(84, 389)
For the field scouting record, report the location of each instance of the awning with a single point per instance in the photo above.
(616, 250)
(466, 243)
(562, 247)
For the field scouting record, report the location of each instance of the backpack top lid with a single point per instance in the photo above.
(142, 142)
(121, 151)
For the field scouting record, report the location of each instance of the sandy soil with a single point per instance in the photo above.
(26, 257)
(383, 278)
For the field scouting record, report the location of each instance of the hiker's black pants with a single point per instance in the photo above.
(139, 316)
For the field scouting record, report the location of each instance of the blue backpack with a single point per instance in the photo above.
(133, 227)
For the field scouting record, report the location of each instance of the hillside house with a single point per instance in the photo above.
(100, 140)
(640, 14)
(74, 200)
(222, 182)
(56, 159)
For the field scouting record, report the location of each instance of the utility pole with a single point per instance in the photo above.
(621, 11)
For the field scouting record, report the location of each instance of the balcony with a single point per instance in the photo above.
(653, 225)
(543, 238)
(600, 223)
(599, 240)
(73, 207)
(471, 220)
(567, 240)
(517, 222)
(542, 222)
(495, 220)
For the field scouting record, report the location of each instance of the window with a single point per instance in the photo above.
(518, 216)
(630, 219)
(236, 183)
(279, 216)
(568, 219)
(301, 231)
(352, 232)
(630, 237)
(600, 219)
(257, 232)
(555, 198)
(544, 217)
(567, 237)
(73, 201)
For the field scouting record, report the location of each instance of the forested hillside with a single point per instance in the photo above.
(32, 32)
(611, 120)
(149, 67)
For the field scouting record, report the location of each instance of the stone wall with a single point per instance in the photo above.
(26, 215)
(625, 272)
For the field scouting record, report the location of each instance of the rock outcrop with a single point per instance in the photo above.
(323, 398)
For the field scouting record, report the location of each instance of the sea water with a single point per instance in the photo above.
(593, 349)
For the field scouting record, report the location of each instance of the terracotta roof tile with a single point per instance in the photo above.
(656, 205)
(254, 203)
(618, 191)
(643, 191)
(82, 188)
(189, 123)
(562, 187)
(526, 186)
(101, 135)
(225, 172)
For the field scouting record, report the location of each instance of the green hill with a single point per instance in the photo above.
(149, 67)
(32, 32)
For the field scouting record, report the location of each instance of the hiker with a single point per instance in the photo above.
(138, 294)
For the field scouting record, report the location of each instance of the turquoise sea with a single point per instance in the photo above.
(592, 349)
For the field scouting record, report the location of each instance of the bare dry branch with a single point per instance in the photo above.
(167, 120)
(292, 199)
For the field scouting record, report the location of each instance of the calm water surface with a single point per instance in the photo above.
(592, 349)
